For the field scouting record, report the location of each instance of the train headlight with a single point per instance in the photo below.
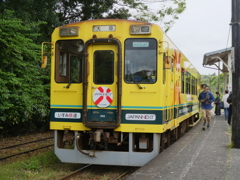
(68, 31)
(73, 31)
(140, 29)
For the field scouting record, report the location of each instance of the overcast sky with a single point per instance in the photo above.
(203, 27)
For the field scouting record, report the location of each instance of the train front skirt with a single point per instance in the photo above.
(129, 158)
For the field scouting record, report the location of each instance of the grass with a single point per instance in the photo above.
(231, 145)
(229, 129)
(39, 167)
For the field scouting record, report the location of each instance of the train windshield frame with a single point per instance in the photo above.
(140, 60)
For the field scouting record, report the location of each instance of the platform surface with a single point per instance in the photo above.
(198, 155)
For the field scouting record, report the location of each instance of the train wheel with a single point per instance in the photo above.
(162, 143)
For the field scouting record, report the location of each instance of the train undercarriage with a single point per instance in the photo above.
(105, 146)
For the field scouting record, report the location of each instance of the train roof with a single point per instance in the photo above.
(109, 20)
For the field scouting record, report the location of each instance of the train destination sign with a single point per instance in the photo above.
(102, 28)
(67, 115)
(140, 44)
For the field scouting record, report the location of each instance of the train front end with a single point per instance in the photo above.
(105, 99)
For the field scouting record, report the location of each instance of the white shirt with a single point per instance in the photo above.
(224, 99)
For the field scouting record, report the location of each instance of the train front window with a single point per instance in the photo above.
(75, 69)
(68, 64)
(103, 67)
(140, 61)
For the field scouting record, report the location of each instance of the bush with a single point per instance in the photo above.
(24, 92)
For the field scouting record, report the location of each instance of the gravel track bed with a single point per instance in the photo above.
(101, 172)
(5, 142)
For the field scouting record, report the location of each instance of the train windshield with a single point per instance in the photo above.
(140, 60)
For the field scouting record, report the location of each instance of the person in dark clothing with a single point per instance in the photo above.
(225, 104)
(206, 98)
(217, 104)
(229, 100)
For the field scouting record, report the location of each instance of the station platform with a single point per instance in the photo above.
(198, 155)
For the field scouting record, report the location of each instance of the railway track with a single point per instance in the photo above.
(9, 147)
(129, 171)
(96, 172)
(74, 173)
(6, 154)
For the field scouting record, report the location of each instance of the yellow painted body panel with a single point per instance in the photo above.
(157, 96)
(63, 96)
(68, 126)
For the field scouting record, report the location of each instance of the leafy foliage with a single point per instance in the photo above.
(34, 11)
(162, 12)
(22, 95)
(212, 82)
(56, 13)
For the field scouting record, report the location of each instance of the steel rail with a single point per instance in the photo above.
(6, 157)
(124, 173)
(25, 143)
(72, 174)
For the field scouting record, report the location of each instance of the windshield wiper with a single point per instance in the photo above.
(130, 75)
(138, 85)
(69, 84)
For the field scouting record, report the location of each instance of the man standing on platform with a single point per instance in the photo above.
(206, 98)
(226, 105)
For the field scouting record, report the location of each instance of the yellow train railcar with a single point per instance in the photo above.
(120, 92)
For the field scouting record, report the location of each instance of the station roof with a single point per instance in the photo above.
(212, 59)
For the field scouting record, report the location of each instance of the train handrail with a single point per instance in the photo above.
(44, 58)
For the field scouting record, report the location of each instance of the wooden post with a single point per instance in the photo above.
(236, 75)
(225, 82)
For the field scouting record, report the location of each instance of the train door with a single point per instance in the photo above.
(169, 76)
(102, 88)
(170, 87)
(177, 84)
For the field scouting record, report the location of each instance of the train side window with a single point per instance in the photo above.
(183, 80)
(68, 61)
(172, 113)
(63, 64)
(193, 85)
(172, 66)
(196, 87)
(103, 67)
(164, 68)
(167, 114)
(164, 115)
(188, 81)
(75, 69)
(168, 62)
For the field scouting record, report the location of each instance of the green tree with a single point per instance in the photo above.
(34, 11)
(24, 87)
(163, 12)
(212, 81)
(59, 12)
(22, 95)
